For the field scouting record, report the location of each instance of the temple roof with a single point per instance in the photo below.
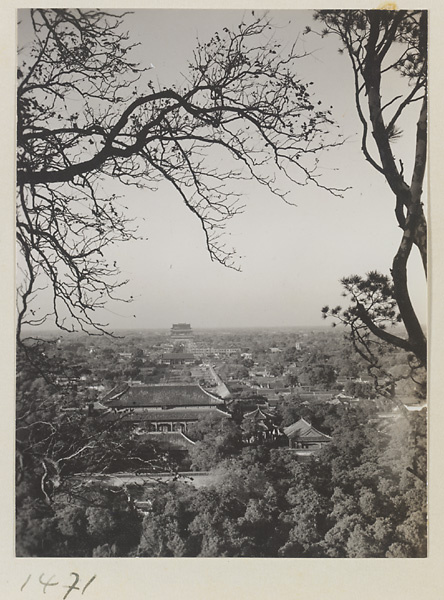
(114, 393)
(164, 395)
(170, 414)
(304, 430)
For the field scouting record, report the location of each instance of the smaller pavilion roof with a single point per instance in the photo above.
(258, 415)
(304, 430)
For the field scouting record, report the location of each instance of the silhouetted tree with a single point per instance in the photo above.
(381, 44)
(87, 115)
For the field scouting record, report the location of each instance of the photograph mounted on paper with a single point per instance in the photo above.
(221, 283)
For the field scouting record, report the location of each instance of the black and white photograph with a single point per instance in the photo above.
(221, 285)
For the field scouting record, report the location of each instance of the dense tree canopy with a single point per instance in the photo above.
(359, 498)
(216, 437)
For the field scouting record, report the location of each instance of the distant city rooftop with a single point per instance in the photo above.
(181, 326)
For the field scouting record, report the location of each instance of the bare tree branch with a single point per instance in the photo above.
(87, 115)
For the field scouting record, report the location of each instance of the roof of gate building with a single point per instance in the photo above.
(167, 416)
(164, 395)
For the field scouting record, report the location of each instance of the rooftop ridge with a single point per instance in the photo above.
(213, 396)
(168, 384)
(302, 431)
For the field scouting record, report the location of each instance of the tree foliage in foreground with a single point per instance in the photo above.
(382, 45)
(86, 522)
(57, 437)
(87, 115)
(359, 499)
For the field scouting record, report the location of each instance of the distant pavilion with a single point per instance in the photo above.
(258, 426)
(181, 333)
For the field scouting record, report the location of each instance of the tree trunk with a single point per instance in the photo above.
(414, 330)
(420, 231)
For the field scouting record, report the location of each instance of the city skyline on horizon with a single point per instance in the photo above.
(326, 326)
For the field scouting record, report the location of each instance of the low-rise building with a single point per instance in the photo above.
(303, 436)
(177, 358)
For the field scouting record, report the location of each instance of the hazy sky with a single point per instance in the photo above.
(292, 258)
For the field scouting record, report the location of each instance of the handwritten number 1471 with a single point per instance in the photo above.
(49, 583)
